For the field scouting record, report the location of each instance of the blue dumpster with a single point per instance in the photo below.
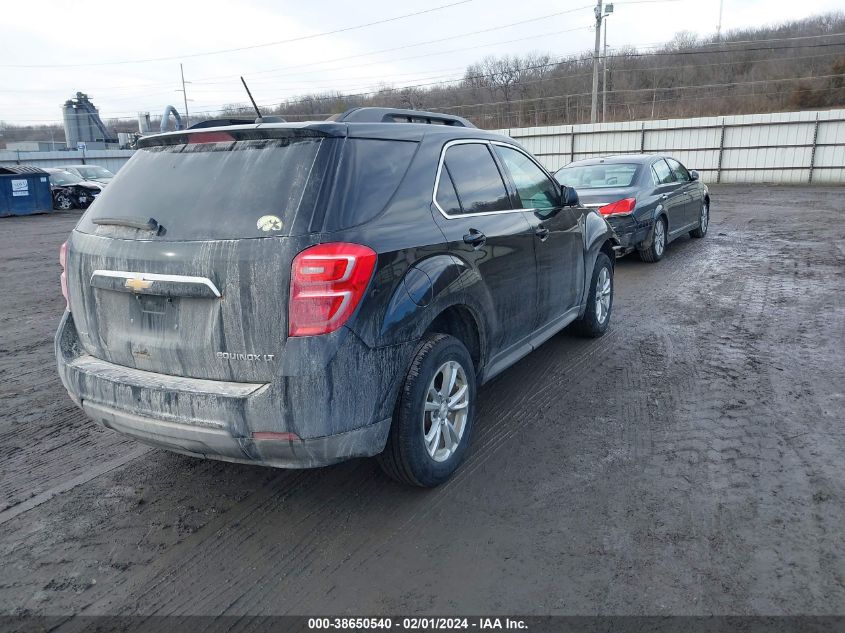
(24, 190)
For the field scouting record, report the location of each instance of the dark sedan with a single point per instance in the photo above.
(70, 191)
(648, 199)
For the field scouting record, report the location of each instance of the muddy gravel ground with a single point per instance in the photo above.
(692, 461)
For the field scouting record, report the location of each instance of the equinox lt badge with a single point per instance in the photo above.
(247, 357)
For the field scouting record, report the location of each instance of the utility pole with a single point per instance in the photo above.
(595, 102)
(604, 78)
(608, 8)
(185, 97)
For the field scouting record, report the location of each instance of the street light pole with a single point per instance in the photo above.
(595, 101)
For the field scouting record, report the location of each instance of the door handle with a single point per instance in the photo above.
(664, 196)
(475, 238)
(542, 232)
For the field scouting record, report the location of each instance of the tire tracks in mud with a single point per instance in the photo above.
(676, 375)
(33, 502)
(45, 441)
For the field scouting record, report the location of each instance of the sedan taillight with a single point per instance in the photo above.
(619, 207)
(326, 285)
(63, 276)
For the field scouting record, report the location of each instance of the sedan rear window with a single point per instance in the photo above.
(601, 176)
(214, 190)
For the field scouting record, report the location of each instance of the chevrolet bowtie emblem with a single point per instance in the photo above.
(137, 284)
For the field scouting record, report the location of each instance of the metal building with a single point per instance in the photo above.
(83, 123)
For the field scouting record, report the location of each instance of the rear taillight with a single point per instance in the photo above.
(326, 285)
(620, 206)
(63, 276)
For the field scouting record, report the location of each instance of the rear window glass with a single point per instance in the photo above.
(602, 176)
(224, 190)
(370, 173)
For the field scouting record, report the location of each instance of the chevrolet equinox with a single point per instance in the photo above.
(298, 294)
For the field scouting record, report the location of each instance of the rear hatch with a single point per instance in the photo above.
(182, 265)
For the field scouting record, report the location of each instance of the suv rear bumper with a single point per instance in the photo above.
(216, 443)
(205, 418)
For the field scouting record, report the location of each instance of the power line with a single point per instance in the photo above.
(348, 96)
(532, 37)
(407, 46)
(556, 62)
(650, 101)
(243, 48)
(629, 90)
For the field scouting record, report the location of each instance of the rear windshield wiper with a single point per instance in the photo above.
(150, 225)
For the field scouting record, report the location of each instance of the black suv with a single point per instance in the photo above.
(297, 294)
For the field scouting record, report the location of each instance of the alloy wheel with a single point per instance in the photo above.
(603, 287)
(705, 217)
(445, 411)
(659, 238)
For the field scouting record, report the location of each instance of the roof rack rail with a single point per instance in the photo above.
(397, 115)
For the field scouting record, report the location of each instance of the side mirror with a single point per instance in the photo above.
(568, 197)
(693, 175)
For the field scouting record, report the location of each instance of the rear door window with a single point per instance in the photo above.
(662, 174)
(476, 178)
(681, 173)
(214, 190)
(536, 189)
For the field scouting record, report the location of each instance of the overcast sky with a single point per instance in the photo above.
(72, 45)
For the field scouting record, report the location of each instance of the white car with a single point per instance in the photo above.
(91, 173)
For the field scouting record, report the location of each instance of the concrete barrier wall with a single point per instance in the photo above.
(788, 147)
(111, 159)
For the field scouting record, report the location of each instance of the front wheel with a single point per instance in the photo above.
(433, 419)
(63, 202)
(703, 221)
(596, 317)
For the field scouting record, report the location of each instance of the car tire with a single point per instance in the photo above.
(654, 253)
(703, 221)
(596, 317)
(421, 448)
(63, 202)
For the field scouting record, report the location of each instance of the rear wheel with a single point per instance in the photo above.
(703, 221)
(655, 252)
(596, 317)
(433, 419)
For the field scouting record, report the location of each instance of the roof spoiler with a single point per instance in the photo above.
(394, 115)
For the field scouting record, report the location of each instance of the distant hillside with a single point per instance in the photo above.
(791, 66)
(745, 71)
